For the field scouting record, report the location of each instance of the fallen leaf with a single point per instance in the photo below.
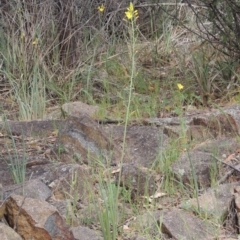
(116, 171)
(158, 195)
(126, 228)
(229, 158)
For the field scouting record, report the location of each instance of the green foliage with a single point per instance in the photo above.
(108, 213)
(16, 161)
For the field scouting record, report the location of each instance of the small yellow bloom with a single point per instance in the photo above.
(101, 8)
(180, 86)
(22, 35)
(35, 42)
(131, 13)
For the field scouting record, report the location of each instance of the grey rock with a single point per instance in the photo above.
(182, 225)
(139, 181)
(143, 143)
(78, 108)
(214, 203)
(7, 233)
(148, 222)
(82, 139)
(71, 180)
(36, 219)
(201, 162)
(220, 148)
(31, 128)
(85, 233)
(33, 188)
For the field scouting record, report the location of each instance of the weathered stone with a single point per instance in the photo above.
(84, 233)
(148, 221)
(36, 219)
(33, 188)
(83, 140)
(76, 109)
(234, 113)
(7, 233)
(215, 203)
(30, 128)
(143, 143)
(138, 238)
(138, 180)
(220, 148)
(201, 162)
(180, 224)
(203, 125)
(237, 204)
(69, 180)
(217, 124)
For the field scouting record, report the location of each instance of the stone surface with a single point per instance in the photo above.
(76, 109)
(201, 162)
(7, 233)
(143, 143)
(84, 233)
(148, 221)
(83, 140)
(30, 128)
(180, 224)
(70, 180)
(215, 203)
(203, 125)
(234, 113)
(34, 189)
(139, 238)
(139, 181)
(36, 219)
(220, 148)
(237, 203)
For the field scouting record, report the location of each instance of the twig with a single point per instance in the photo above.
(229, 165)
(225, 177)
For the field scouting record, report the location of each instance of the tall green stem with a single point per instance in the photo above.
(130, 87)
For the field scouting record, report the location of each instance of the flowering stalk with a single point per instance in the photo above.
(131, 15)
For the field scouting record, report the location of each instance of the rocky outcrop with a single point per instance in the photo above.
(37, 219)
(64, 181)
(83, 139)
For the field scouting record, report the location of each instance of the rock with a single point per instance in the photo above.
(201, 126)
(149, 222)
(138, 238)
(201, 162)
(31, 128)
(220, 148)
(215, 203)
(83, 140)
(84, 233)
(139, 181)
(36, 219)
(33, 188)
(69, 180)
(76, 109)
(7, 233)
(237, 204)
(143, 143)
(180, 224)
(234, 113)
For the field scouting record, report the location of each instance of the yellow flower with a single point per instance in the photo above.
(131, 13)
(101, 8)
(180, 86)
(35, 42)
(22, 35)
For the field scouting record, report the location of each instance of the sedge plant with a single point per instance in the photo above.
(16, 161)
